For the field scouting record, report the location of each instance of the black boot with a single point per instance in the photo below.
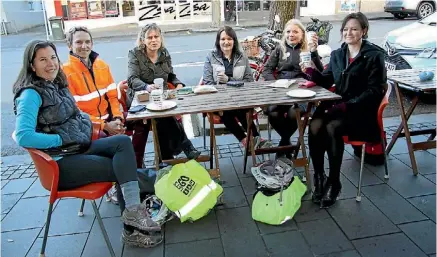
(331, 193)
(191, 152)
(319, 187)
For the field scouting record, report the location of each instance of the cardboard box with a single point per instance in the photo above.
(143, 96)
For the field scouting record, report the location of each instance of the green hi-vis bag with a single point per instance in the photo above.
(270, 210)
(188, 190)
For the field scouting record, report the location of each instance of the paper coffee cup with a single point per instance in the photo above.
(305, 57)
(309, 35)
(156, 97)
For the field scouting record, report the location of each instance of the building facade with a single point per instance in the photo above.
(106, 13)
(20, 15)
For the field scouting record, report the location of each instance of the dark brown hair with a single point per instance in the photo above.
(27, 75)
(231, 33)
(362, 20)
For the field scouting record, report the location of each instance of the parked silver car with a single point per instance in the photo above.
(404, 8)
(412, 46)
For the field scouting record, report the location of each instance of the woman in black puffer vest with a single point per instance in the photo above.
(49, 120)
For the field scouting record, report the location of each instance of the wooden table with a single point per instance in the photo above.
(260, 94)
(251, 95)
(189, 104)
(409, 80)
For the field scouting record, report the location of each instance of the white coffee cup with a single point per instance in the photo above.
(305, 58)
(159, 82)
(219, 70)
(309, 35)
(156, 97)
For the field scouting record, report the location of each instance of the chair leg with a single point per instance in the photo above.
(204, 132)
(82, 205)
(46, 231)
(386, 175)
(102, 227)
(363, 153)
(269, 131)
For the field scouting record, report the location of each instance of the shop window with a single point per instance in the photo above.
(128, 8)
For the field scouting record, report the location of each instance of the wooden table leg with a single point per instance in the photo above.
(249, 141)
(404, 124)
(213, 147)
(301, 129)
(156, 144)
(407, 116)
(305, 124)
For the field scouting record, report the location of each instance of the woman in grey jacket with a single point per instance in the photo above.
(226, 63)
(147, 61)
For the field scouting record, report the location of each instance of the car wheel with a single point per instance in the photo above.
(424, 10)
(400, 16)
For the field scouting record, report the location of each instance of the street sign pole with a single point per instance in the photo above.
(236, 12)
(45, 18)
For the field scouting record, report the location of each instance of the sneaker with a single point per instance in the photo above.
(139, 239)
(139, 218)
(111, 196)
(191, 152)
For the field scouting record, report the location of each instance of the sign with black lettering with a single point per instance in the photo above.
(153, 11)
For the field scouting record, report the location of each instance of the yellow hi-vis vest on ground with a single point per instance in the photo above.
(188, 191)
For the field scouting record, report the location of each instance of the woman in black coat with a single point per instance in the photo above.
(357, 69)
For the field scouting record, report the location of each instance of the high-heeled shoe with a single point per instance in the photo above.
(331, 193)
(319, 187)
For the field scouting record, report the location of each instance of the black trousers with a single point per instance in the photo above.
(283, 120)
(108, 159)
(231, 118)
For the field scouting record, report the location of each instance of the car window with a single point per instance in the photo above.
(430, 20)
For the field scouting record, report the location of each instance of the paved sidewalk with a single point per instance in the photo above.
(395, 218)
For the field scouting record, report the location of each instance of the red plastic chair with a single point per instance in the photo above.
(216, 119)
(48, 173)
(381, 108)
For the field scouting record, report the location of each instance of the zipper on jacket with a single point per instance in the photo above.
(100, 97)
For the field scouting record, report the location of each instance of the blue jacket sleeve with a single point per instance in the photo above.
(28, 104)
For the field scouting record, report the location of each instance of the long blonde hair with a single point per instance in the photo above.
(145, 31)
(304, 45)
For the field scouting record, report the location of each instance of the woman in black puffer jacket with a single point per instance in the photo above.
(285, 61)
(357, 69)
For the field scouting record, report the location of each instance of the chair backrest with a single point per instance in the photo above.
(122, 96)
(48, 171)
(383, 104)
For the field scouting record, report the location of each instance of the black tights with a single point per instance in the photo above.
(283, 120)
(326, 135)
(230, 120)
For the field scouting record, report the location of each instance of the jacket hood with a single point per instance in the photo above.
(218, 54)
(163, 53)
(367, 48)
(74, 58)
